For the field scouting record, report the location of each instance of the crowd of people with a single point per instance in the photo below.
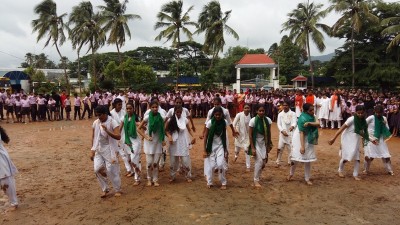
(163, 122)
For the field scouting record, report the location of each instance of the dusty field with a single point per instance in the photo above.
(56, 185)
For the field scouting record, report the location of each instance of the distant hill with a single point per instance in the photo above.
(322, 58)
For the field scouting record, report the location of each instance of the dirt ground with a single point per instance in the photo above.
(56, 185)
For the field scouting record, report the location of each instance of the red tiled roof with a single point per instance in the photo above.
(256, 59)
(300, 78)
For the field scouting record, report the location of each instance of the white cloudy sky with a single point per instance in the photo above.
(258, 23)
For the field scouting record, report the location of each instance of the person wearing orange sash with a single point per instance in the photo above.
(298, 102)
(335, 110)
(240, 101)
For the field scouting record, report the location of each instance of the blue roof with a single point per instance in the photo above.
(17, 75)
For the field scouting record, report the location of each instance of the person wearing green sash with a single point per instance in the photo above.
(379, 132)
(353, 130)
(154, 140)
(133, 140)
(215, 148)
(260, 142)
(305, 136)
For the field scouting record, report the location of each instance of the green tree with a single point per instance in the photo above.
(174, 20)
(87, 25)
(212, 21)
(51, 26)
(303, 24)
(392, 27)
(116, 23)
(351, 21)
(156, 57)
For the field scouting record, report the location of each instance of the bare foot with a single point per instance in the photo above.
(156, 184)
(171, 180)
(129, 174)
(277, 165)
(12, 208)
(223, 187)
(148, 184)
(365, 172)
(309, 183)
(118, 194)
(247, 169)
(136, 183)
(341, 175)
(104, 194)
(257, 184)
(289, 178)
(391, 173)
(236, 157)
(209, 186)
(357, 178)
(189, 180)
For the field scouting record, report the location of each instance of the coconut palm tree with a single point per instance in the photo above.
(50, 26)
(212, 21)
(116, 23)
(87, 30)
(303, 26)
(172, 18)
(392, 25)
(353, 14)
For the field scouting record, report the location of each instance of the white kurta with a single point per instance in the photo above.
(376, 151)
(336, 114)
(350, 142)
(7, 167)
(154, 146)
(241, 124)
(284, 122)
(260, 144)
(181, 141)
(323, 112)
(309, 155)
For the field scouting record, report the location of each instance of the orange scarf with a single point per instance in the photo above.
(333, 99)
(299, 101)
(310, 99)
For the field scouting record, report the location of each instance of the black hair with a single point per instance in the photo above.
(173, 124)
(378, 108)
(4, 136)
(154, 98)
(117, 100)
(259, 106)
(178, 97)
(246, 104)
(360, 108)
(218, 109)
(129, 103)
(102, 109)
(218, 99)
(154, 102)
(87, 94)
(307, 107)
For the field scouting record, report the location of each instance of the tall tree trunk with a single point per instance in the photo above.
(177, 61)
(94, 67)
(120, 63)
(353, 61)
(311, 65)
(79, 73)
(65, 68)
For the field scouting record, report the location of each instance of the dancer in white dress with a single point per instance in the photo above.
(305, 137)
(178, 131)
(105, 136)
(154, 140)
(378, 130)
(118, 114)
(242, 141)
(353, 130)
(133, 141)
(286, 123)
(335, 110)
(7, 172)
(323, 112)
(215, 147)
(260, 142)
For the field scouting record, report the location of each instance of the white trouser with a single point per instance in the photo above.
(333, 123)
(356, 167)
(125, 157)
(112, 171)
(215, 161)
(7, 184)
(237, 150)
(259, 165)
(323, 123)
(136, 164)
(185, 166)
(307, 169)
(386, 163)
(161, 161)
(152, 166)
(281, 148)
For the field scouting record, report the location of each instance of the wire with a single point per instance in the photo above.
(11, 55)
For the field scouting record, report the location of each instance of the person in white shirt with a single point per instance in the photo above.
(77, 106)
(25, 109)
(242, 141)
(86, 107)
(286, 123)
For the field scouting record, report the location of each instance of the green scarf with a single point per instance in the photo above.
(361, 128)
(261, 126)
(218, 127)
(310, 131)
(380, 129)
(156, 124)
(129, 129)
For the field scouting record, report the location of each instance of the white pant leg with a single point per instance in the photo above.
(186, 163)
(8, 185)
(136, 164)
(247, 161)
(125, 157)
(259, 164)
(387, 164)
(174, 164)
(161, 161)
(356, 168)
(307, 171)
(113, 175)
(209, 164)
(152, 166)
(222, 166)
(341, 165)
(293, 168)
(99, 169)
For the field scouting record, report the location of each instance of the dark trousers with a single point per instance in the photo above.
(61, 113)
(34, 112)
(86, 108)
(77, 112)
(42, 112)
(94, 105)
(1, 111)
